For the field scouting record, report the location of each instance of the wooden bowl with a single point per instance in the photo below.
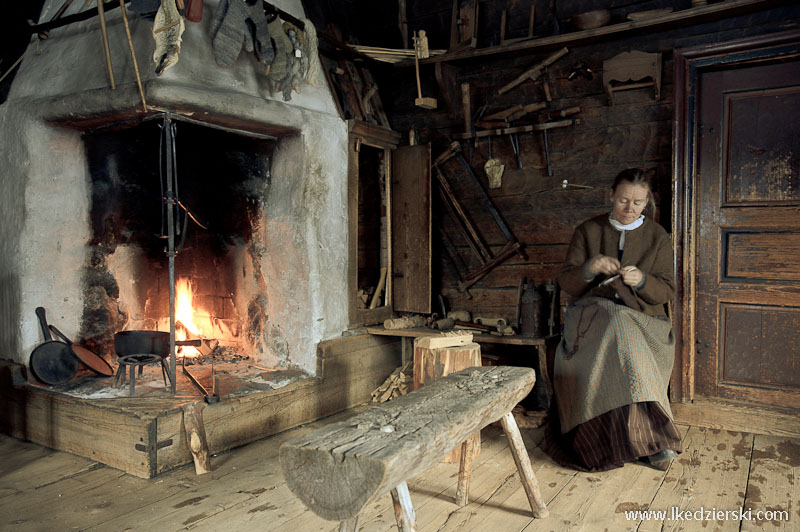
(591, 19)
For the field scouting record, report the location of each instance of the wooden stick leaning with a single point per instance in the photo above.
(133, 53)
(101, 15)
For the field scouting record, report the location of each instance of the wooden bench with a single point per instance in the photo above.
(338, 469)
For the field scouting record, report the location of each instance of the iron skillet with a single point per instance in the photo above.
(92, 361)
(52, 362)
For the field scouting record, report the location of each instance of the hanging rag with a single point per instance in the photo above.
(313, 75)
(283, 52)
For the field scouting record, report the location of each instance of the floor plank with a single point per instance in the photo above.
(43, 490)
(710, 474)
(773, 489)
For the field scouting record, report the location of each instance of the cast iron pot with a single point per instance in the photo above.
(127, 343)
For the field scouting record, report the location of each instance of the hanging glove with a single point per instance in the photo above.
(259, 31)
(229, 31)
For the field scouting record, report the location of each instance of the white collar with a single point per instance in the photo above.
(626, 227)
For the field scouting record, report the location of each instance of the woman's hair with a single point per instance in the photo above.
(636, 176)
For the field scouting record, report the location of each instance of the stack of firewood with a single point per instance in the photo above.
(397, 384)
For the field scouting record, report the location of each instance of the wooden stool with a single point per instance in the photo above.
(436, 357)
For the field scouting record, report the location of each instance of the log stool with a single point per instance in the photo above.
(340, 468)
(436, 357)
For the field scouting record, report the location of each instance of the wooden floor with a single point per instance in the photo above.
(45, 490)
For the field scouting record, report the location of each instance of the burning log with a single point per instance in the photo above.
(207, 345)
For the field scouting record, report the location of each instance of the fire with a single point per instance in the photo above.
(185, 314)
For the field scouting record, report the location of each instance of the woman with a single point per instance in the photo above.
(613, 365)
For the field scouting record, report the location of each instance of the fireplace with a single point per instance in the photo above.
(221, 186)
(260, 214)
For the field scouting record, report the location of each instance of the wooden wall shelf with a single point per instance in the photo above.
(723, 9)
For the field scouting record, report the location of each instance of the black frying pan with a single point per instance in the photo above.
(87, 357)
(52, 362)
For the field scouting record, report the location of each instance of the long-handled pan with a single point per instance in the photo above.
(52, 362)
(87, 357)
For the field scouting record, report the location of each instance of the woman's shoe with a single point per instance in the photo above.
(662, 459)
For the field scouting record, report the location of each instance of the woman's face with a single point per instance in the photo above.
(629, 201)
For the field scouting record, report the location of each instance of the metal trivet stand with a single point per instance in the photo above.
(140, 361)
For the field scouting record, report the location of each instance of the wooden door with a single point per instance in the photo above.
(747, 188)
(411, 229)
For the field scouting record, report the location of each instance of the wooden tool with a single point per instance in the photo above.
(425, 103)
(535, 71)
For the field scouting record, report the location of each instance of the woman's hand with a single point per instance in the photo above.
(603, 264)
(631, 275)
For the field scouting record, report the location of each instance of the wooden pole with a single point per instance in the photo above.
(133, 54)
(101, 15)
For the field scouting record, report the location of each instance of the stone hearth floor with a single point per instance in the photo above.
(233, 379)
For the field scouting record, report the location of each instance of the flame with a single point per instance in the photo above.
(184, 313)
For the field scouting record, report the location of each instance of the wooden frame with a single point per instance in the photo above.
(688, 64)
(365, 134)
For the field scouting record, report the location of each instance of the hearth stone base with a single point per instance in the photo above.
(144, 436)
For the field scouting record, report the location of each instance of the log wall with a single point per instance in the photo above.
(635, 132)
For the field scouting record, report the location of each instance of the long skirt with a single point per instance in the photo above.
(611, 373)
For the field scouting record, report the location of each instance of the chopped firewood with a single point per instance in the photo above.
(395, 385)
(363, 299)
(406, 322)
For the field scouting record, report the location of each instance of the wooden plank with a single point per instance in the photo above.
(738, 416)
(773, 490)
(683, 17)
(74, 425)
(412, 226)
(710, 473)
(518, 129)
(33, 465)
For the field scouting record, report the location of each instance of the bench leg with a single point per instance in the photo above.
(349, 525)
(524, 466)
(464, 472)
(403, 511)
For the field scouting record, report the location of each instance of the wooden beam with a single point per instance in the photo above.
(519, 129)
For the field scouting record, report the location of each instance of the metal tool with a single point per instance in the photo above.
(610, 280)
(211, 397)
(547, 153)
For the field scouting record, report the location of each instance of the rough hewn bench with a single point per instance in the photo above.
(337, 469)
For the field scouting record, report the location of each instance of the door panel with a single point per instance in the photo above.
(747, 187)
(411, 228)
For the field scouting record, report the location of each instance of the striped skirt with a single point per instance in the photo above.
(611, 373)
